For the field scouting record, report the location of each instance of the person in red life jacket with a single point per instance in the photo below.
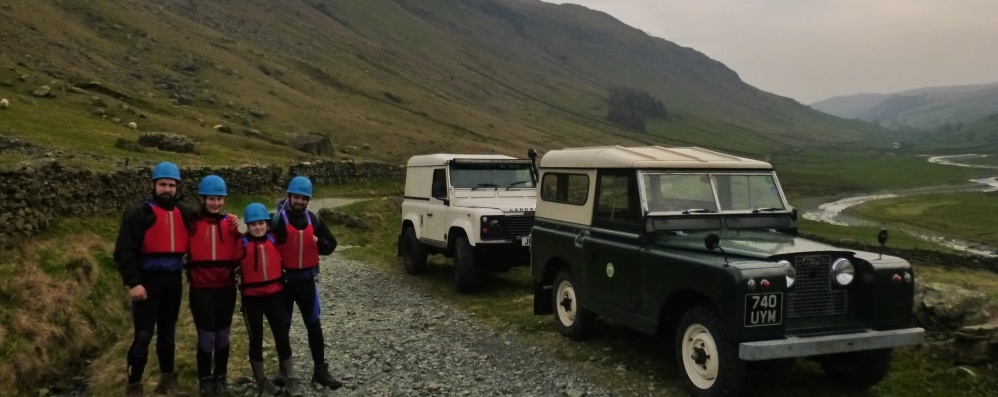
(302, 237)
(261, 282)
(152, 241)
(211, 262)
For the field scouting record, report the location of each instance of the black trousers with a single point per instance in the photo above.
(155, 315)
(255, 308)
(306, 295)
(212, 310)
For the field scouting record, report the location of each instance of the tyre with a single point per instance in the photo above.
(467, 277)
(857, 370)
(708, 361)
(573, 321)
(413, 252)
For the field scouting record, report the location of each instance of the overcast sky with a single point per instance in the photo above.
(812, 50)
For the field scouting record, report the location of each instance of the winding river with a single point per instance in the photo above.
(832, 212)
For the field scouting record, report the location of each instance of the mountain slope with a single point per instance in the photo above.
(922, 109)
(399, 77)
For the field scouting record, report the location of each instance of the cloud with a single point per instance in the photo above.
(812, 50)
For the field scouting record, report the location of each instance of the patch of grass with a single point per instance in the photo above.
(831, 171)
(57, 307)
(964, 215)
(865, 235)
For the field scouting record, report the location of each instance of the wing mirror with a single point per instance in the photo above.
(712, 242)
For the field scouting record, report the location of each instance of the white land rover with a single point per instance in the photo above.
(477, 209)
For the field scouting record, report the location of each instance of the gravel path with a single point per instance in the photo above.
(386, 338)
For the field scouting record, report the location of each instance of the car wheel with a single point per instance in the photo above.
(413, 252)
(708, 360)
(857, 370)
(573, 321)
(467, 277)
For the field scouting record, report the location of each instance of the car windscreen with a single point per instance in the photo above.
(711, 192)
(491, 175)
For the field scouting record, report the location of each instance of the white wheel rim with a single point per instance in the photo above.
(566, 291)
(696, 341)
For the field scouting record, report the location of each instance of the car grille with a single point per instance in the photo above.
(517, 226)
(813, 294)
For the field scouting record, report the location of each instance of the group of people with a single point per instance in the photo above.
(274, 265)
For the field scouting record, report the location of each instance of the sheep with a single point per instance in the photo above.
(4, 103)
(132, 125)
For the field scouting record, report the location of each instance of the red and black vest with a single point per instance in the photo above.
(300, 250)
(261, 268)
(167, 235)
(212, 255)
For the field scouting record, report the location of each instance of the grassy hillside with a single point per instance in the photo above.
(402, 76)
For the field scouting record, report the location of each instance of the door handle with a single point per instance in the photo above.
(429, 214)
(580, 238)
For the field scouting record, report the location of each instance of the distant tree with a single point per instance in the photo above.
(630, 107)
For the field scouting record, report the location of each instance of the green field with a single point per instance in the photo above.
(968, 216)
(826, 172)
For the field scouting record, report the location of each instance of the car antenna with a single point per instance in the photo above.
(532, 154)
(713, 241)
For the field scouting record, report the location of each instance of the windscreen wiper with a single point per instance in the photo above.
(484, 185)
(766, 209)
(698, 211)
(515, 183)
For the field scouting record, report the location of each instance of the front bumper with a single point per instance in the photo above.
(829, 344)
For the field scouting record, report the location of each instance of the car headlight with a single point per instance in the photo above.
(843, 271)
(492, 226)
(789, 271)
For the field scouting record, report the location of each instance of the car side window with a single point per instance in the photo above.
(565, 188)
(439, 187)
(617, 200)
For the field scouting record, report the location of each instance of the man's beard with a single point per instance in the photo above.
(298, 207)
(165, 200)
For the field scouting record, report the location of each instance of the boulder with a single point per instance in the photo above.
(341, 218)
(168, 141)
(947, 308)
(43, 91)
(313, 143)
(130, 146)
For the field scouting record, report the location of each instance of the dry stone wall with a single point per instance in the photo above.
(33, 196)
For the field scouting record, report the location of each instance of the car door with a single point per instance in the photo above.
(435, 220)
(614, 243)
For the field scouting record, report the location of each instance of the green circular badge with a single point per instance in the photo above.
(609, 270)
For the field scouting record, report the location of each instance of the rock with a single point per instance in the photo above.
(168, 141)
(223, 128)
(130, 146)
(341, 218)
(98, 102)
(946, 308)
(42, 92)
(257, 113)
(312, 143)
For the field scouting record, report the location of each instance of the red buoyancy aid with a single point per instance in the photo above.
(212, 253)
(168, 235)
(300, 250)
(261, 268)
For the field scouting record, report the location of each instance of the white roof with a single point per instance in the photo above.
(646, 157)
(443, 158)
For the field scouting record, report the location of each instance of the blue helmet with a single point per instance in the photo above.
(166, 169)
(255, 212)
(212, 185)
(300, 185)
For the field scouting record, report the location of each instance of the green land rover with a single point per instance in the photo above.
(702, 246)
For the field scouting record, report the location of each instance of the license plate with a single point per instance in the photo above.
(763, 309)
(525, 241)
